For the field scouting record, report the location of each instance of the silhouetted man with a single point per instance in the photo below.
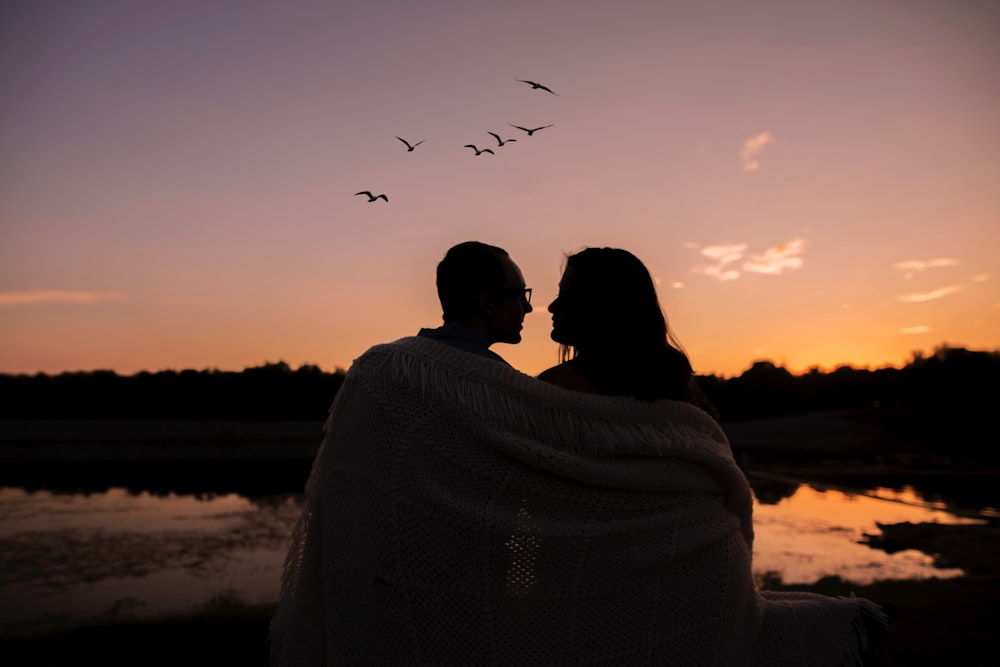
(483, 299)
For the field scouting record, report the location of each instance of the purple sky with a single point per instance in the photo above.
(811, 183)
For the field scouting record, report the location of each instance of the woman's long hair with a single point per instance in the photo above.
(624, 344)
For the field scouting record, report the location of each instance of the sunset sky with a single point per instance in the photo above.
(812, 183)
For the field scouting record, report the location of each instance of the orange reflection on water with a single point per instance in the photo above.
(111, 554)
(95, 555)
(815, 533)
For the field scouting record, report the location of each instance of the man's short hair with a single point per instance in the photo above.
(466, 270)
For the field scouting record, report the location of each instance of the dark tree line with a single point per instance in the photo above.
(950, 382)
(944, 403)
(272, 392)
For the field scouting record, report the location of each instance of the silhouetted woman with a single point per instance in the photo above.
(613, 334)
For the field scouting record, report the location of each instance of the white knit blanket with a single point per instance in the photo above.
(460, 512)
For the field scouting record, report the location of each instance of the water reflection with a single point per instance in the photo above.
(74, 557)
(814, 533)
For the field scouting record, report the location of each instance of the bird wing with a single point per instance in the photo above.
(404, 141)
(470, 146)
(488, 150)
(535, 84)
(495, 135)
(364, 192)
(524, 129)
(383, 197)
(419, 142)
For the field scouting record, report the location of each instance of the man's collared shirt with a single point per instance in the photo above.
(463, 339)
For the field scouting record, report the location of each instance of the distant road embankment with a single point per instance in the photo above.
(67, 440)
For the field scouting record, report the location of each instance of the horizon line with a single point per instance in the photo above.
(343, 369)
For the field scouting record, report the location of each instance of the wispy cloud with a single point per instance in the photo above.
(981, 278)
(719, 272)
(730, 260)
(752, 148)
(922, 329)
(30, 297)
(918, 297)
(778, 259)
(912, 266)
(724, 254)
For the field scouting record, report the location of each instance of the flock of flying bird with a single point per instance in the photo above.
(479, 151)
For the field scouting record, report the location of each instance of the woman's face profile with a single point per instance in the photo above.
(567, 311)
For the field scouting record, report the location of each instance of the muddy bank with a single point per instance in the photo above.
(936, 622)
(974, 548)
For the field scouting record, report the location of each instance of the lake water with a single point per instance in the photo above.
(69, 558)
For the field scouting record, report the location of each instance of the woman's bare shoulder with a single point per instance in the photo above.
(567, 376)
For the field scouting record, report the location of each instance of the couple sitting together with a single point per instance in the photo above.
(460, 512)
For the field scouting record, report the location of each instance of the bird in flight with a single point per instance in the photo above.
(537, 86)
(371, 197)
(408, 146)
(532, 130)
(500, 142)
(478, 151)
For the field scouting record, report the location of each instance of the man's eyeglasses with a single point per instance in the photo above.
(523, 292)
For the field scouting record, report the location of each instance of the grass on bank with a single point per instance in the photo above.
(937, 621)
(225, 631)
